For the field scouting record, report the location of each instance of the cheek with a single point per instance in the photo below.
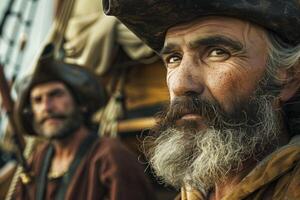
(36, 117)
(69, 106)
(220, 86)
(63, 106)
(171, 79)
(36, 113)
(232, 83)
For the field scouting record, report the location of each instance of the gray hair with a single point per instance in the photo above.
(284, 56)
(280, 54)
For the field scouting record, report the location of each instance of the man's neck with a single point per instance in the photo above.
(67, 147)
(65, 151)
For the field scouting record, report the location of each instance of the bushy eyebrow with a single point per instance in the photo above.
(168, 49)
(51, 93)
(216, 40)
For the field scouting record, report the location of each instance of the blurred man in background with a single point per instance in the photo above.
(56, 104)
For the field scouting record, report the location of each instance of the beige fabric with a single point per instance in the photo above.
(277, 177)
(93, 39)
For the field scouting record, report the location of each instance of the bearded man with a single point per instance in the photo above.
(230, 131)
(56, 104)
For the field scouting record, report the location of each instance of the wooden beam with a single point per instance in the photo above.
(132, 125)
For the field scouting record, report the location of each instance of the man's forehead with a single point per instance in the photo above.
(47, 87)
(214, 25)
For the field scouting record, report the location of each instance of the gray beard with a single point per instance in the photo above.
(202, 158)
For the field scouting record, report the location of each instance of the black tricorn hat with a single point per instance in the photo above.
(84, 85)
(150, 19)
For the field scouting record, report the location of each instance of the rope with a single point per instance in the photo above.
(15, 32)
(108, 123)
(60, 25)
(30, 144)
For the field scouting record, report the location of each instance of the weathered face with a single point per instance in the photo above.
(220, 59)
(221, 111)
(53, 109)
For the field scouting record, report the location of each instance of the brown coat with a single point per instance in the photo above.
(277, 177)
(108, 172)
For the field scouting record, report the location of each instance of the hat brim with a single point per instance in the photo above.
(150, 19)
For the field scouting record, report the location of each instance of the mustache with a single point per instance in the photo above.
(181, 106)
(243, 114)
(52, 116)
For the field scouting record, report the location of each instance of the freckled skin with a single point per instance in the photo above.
(226, 78)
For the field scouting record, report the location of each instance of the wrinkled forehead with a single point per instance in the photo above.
(44, 88)
(236, 29)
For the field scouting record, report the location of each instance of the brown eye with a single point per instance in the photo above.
(36, 100)
(173, 61)
(218, 54)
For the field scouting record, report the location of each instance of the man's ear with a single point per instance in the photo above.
(291, 83)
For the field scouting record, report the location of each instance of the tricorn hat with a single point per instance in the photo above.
(150, 19)
(84, 86)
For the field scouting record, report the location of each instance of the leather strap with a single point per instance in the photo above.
(82, 151)
(42, 178)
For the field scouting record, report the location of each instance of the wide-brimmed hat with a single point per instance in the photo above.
(150, 19)
(84, 85)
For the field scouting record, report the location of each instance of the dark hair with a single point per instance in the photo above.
(291, 111)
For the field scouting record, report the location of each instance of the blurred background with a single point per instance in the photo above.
(80, 32)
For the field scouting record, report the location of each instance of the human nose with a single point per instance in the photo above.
(186, 80)
(46, 104)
